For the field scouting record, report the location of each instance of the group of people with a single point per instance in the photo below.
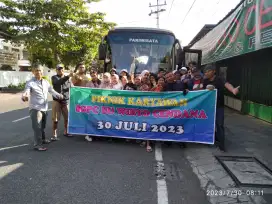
(186, 79)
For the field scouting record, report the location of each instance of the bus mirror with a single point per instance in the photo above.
(102, 52)
(180, 57)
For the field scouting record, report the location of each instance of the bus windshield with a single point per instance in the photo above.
(141, 51)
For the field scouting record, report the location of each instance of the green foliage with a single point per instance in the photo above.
(20, 86)
(55, 31)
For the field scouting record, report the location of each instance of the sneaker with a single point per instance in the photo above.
(88, 138)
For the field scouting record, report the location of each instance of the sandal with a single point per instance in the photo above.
(149, 149)
(54, 138)
(46, 141)
(40, 149)
(88, 138)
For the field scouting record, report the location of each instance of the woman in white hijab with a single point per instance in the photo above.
(115, 82)
(106, 81)
(145, 73)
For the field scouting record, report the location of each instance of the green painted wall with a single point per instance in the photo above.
(257, 110)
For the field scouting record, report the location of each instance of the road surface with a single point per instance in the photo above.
(75, 171)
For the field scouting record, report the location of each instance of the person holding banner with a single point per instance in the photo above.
(37, 89)
(160, 85)
(106, 81)
(211, 82)
(62, 85)
(115, 82)
(172, 85)
(137, 82)
(196, 82)
(130, 85)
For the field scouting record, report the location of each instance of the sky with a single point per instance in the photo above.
(134, 13)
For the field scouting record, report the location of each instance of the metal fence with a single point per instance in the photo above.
(253, 72)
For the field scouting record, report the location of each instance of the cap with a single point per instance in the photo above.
(209, 67)
(183, 69)
(113, 70)
(124, 70)
(60, 66)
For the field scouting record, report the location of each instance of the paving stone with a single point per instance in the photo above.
(200, 155)
(213, 200)
(258, 199)
(199, 171)
(244, 198)
(224, 183)
(249, 172)
(207, 161)
(244, 139)
(211, 167)
(215, 175)
(225, 199)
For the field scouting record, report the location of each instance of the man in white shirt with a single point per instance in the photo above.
(37, 89)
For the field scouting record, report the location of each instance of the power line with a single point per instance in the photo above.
(188, 12)
(158, 10)
(171, 7)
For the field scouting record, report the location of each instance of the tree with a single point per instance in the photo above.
(56, 30)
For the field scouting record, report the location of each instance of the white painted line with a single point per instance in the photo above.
(5, 148)
(15, 121)
(162, 193)
(158, 152)
(20, 119)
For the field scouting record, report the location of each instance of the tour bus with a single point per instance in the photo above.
(138, 49)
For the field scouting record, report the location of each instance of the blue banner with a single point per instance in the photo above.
(162, 116)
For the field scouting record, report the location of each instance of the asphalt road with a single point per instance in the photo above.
(75, 171)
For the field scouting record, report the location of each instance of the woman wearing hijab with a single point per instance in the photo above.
(113, 71)
(145, 73)
(124, 72)
(106, 81)
(115, 82)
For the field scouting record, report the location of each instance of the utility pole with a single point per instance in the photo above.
(158, 11)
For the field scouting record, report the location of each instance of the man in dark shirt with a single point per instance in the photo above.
(212, 82)
(171, 84)
(61, 84)
(130, 86)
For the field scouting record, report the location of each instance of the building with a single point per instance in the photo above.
(206, 28)
(241, 52)
(12, 55)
